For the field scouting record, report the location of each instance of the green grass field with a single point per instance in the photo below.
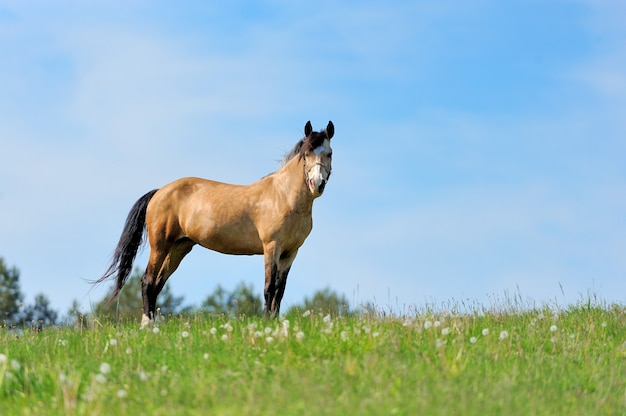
(536, 362)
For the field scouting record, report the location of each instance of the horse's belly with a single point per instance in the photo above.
(232, 240)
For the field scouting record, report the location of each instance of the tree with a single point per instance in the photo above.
(325, 301)
(10, 294)
(128, 304)
(39, 314)
(241, 301)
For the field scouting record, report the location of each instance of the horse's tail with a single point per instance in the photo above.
(131, 239)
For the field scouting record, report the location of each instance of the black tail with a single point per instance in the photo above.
(130, 241)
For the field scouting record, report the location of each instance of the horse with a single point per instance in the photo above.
(272, 217)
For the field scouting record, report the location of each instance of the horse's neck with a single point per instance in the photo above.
(289, 181)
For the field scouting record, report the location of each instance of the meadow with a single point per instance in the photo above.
(542, 361)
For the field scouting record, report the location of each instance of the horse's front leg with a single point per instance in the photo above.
(284, 265)
(271, 271)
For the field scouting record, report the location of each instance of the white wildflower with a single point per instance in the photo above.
(155, 330)
(113, 342)
(485, 332)
(326, 319)
(105, 368)
(121, 393)
(184, 334)
(224, 337)
(258, 334)
(15, 365)
(375, 334)
(473, 340)
(129, 351)
(553, 328)
(100, 378)
(428, 325)
(306, 313)
(269, 340)
(205, 356)
(445, 331)
(300, 336)
(3, 359)
(503, 335)
(143, 376)
(440, 343)
(213, 331)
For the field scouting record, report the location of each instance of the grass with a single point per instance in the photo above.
(540, 362)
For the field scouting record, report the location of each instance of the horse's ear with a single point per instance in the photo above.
(308, 129)
(330, 130)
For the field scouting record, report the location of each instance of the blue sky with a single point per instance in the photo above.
(479, 146)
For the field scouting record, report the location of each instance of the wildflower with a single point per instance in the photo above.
(228, 327)
(268, 330)
(129, 351)
(440, 343)
(143, 376)
(485, 332)
(427, 324)
(306, 313)
(473, 340)
(603, 324)
(375, 334)
(300, 336)
(113, 342)
(269, 340)
(121, 393)
(100, 378)
(164, 369)
(184, 334)
(445, 331)
(205, 356)
(105, 368)
(15, 365)
(503, 335)
(155, 330)
(436, 324)
(258, 334)
(62, 342)
(326, 319)
(224, 337)
(213, 331)
(3, 359)
(344, 335)
(553, 328)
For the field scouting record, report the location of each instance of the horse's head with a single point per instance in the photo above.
(317, 156)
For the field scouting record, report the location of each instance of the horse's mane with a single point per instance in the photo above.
(304, 145)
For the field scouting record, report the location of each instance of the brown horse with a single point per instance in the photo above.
(271, 217)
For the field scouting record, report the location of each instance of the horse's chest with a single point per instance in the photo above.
(291, 230)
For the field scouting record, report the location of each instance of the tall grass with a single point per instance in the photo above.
(515, 362)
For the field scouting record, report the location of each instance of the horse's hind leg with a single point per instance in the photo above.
(161, 265)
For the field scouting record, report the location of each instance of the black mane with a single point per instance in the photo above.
(306, 144)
